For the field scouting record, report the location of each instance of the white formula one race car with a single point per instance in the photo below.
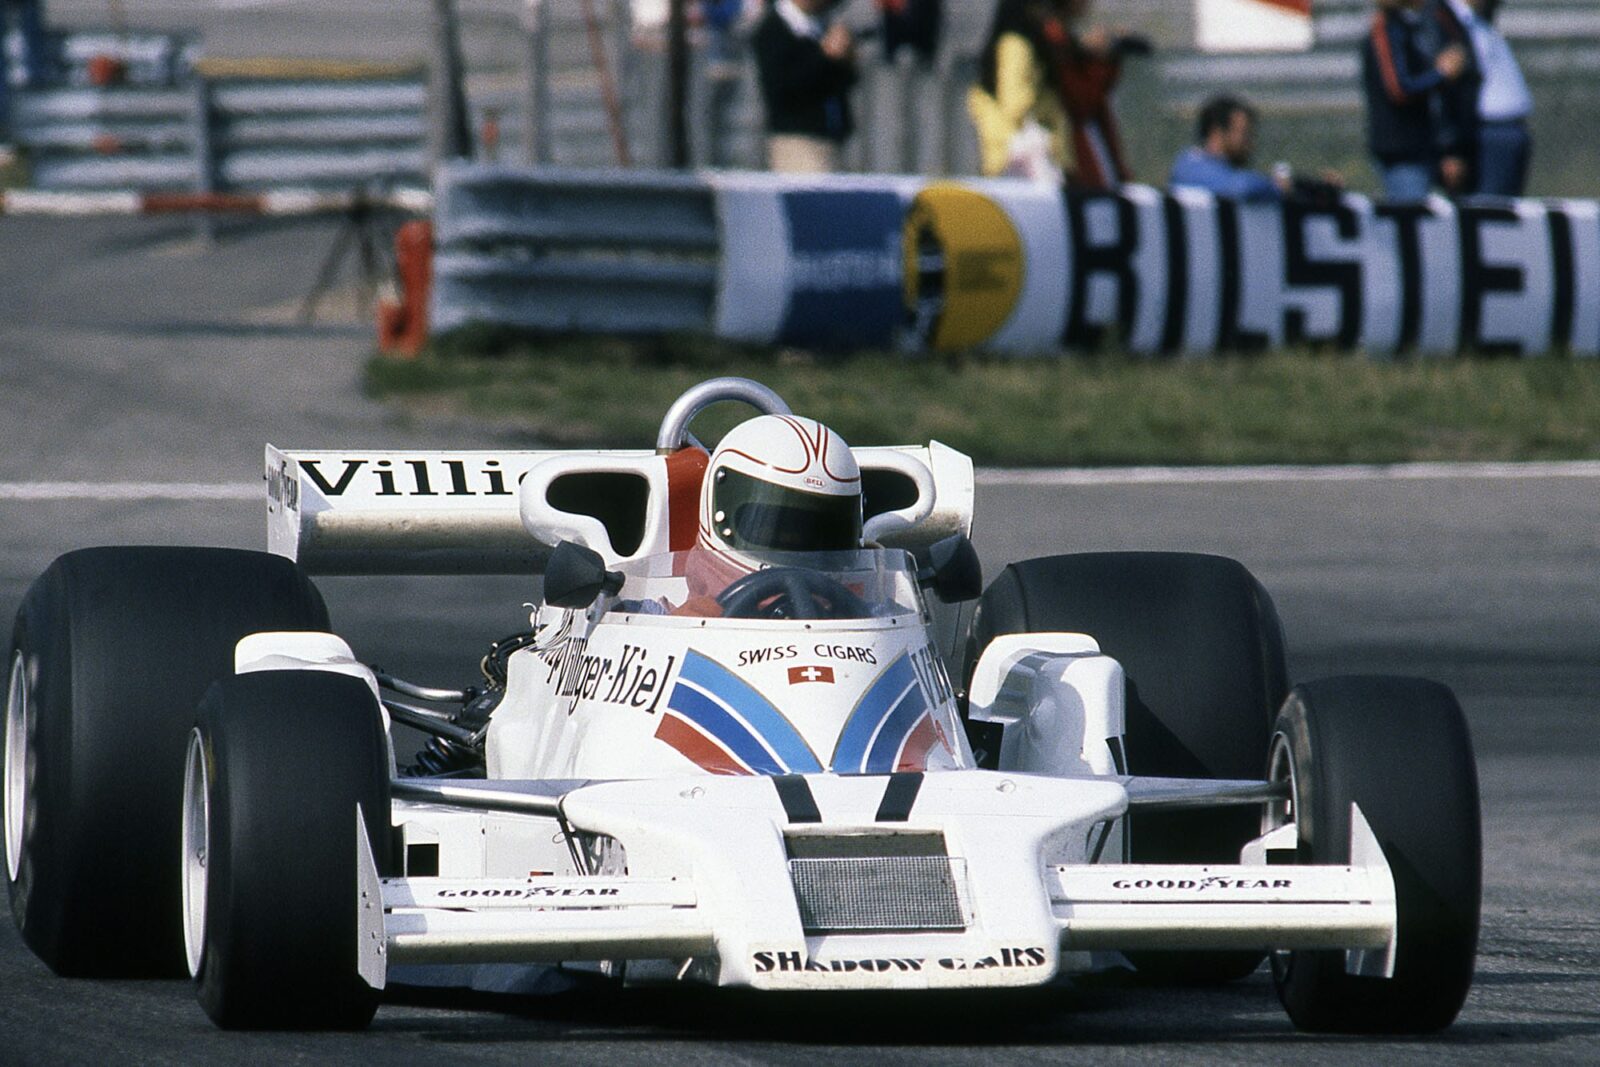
(727, 750)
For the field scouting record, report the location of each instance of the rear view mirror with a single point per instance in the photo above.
(952, 571)
(575, 576)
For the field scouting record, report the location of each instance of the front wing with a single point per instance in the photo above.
(959, 879)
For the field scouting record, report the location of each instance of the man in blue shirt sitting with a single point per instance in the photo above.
(1220, 163)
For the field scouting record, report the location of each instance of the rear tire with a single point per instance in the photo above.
(111, 652)
(280, 762)
(1399, 748)
(1201, 646)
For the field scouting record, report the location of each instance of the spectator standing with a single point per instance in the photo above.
(1456, 115)
(912, 24)
(1019, 78)
(1090, 64)
(1500, 103)
(720, 17)
(27, 18)
(1220, 162)
(723, 71)
(1402, 71)
(807, 63)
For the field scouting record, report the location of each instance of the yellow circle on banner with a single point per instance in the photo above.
(963, 267)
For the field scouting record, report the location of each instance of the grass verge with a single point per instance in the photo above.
(1112, 410)
(13, 172)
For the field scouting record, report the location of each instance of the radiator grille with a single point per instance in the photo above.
(876, 893)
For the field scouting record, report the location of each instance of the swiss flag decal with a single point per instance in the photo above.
(810, 674)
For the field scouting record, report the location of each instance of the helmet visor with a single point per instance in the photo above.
(752, 514)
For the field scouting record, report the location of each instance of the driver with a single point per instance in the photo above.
(776, 483)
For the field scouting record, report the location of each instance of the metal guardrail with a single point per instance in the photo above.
(144, 58)
(1328, 79)
(561, 250)
(559, 208)
(1345, 22)
(226, 135)
(318, 133)
(113, 138)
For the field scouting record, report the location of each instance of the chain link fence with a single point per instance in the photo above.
(913, 118)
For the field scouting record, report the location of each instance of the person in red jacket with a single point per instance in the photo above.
(1090, 63)
(1404, 65)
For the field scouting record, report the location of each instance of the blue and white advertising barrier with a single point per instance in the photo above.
(819, 264)
(1020, 268)
(879, 261)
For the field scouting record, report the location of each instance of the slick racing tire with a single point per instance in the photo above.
(277, 769)
(1399, 748)
(1202, 649)
(112, 650)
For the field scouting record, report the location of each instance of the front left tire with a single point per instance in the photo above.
(278, 767)
(111, 652)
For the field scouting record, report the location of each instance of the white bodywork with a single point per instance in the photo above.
(364, 512)
(866, 852)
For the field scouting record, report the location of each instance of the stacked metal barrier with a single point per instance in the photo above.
(142, 57)
(126, 137)
(559, 250)
(226, 135)
(317, 133)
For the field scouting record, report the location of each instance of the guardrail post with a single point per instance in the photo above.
(624, 60)
(450, 133)
(678, 81)
(858, 151)
(536, 102)
(203, 119)
(702, 123)
(947, 108)
(908, 79)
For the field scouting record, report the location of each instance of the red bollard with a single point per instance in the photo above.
(490, 135)
(106, 71)
(403, 326)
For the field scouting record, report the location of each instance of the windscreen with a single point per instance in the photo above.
(859, 584)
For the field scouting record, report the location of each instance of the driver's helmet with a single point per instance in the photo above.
(780, 483)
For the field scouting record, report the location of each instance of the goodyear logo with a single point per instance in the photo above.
(963, 267)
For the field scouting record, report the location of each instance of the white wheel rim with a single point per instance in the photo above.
(196, 846)
(1280, 768)
(16, 771)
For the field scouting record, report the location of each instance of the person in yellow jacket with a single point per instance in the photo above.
(1018, 80)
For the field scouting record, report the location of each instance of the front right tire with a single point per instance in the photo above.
(1201, 647)
(1398, 748)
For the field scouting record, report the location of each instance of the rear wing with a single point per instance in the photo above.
(418, 512)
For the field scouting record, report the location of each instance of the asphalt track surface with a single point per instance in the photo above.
(132, 358)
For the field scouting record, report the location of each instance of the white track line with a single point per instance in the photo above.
(1346, 473)
(129, 491)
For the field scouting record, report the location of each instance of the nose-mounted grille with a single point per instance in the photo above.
(874, 882)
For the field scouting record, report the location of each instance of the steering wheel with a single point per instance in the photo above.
(790, 593)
